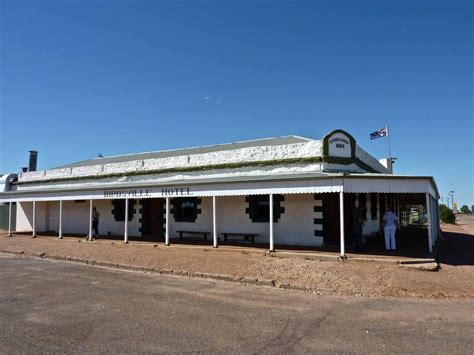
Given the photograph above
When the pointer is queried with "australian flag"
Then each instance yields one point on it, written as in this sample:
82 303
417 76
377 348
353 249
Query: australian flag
380 133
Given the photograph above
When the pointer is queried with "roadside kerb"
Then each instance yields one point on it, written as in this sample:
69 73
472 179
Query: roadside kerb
161 245
326 257
305 255
134 268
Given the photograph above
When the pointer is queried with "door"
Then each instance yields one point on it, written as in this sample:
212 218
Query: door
152 218
349 209
331 218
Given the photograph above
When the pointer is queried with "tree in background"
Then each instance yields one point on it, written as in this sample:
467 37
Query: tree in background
465 209
446 214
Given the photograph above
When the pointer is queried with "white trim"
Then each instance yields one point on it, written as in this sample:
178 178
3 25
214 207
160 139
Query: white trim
214 221
270 222
167 222
204 190
430 227
34 220
396 185
60 234
10 219
90 220
341 222
234 188
125 233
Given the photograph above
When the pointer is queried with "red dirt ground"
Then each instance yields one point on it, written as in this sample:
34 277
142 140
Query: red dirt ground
454 280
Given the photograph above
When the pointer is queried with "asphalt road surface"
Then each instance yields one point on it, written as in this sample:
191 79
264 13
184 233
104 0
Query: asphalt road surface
62 307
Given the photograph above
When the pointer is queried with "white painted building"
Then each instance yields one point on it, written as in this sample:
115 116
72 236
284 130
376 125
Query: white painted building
314 186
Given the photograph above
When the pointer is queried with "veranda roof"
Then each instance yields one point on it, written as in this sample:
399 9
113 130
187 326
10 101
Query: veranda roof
237 186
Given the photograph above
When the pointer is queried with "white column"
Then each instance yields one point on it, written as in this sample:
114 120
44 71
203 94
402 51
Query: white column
90 221
167 224
125 233
341 221
60 219
214 221
34 219
10 219
272 247
430 229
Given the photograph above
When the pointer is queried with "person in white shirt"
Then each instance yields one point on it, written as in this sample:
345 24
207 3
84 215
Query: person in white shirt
389 225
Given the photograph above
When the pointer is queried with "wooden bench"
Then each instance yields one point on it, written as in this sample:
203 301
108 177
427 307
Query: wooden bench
204 234
243 236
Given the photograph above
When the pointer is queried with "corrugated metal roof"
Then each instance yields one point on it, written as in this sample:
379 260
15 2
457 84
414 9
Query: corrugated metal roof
189 151
229 180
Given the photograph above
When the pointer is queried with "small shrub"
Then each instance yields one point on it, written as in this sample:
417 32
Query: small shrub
446 214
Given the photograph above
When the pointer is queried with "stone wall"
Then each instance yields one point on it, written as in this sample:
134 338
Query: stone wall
243 155
295 226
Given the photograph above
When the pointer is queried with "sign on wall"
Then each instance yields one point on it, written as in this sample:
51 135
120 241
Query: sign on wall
144 193
339 144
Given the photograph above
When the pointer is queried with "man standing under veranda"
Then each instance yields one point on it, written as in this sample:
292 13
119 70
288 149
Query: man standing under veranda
95 223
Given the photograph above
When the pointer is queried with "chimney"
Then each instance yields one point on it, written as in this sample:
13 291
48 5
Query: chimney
388 164
33 160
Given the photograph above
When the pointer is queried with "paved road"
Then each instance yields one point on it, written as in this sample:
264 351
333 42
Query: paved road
62 307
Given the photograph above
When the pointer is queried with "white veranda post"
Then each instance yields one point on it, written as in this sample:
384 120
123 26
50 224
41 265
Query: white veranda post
214 221
60 219
34 219
270 220
430 229
10 219
167 222
90 220
341 222
125 233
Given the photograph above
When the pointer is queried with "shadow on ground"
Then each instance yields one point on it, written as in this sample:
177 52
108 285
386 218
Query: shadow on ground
456 249
412 242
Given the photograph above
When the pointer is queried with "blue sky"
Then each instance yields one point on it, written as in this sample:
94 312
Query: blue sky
80 78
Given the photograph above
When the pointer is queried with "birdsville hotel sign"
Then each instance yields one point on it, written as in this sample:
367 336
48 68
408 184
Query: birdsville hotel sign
148 193
283 191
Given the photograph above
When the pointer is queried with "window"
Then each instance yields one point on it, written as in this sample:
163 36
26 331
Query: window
186 209
118 210
259 208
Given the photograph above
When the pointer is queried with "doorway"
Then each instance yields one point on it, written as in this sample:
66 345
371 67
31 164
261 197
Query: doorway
331 219
153 219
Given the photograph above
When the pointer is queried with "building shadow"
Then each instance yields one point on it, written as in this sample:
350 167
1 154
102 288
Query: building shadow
456 249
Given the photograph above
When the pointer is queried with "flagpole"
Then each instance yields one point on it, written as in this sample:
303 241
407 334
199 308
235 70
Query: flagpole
389 148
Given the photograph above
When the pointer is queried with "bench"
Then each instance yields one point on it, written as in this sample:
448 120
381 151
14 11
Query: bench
204 234
243 236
